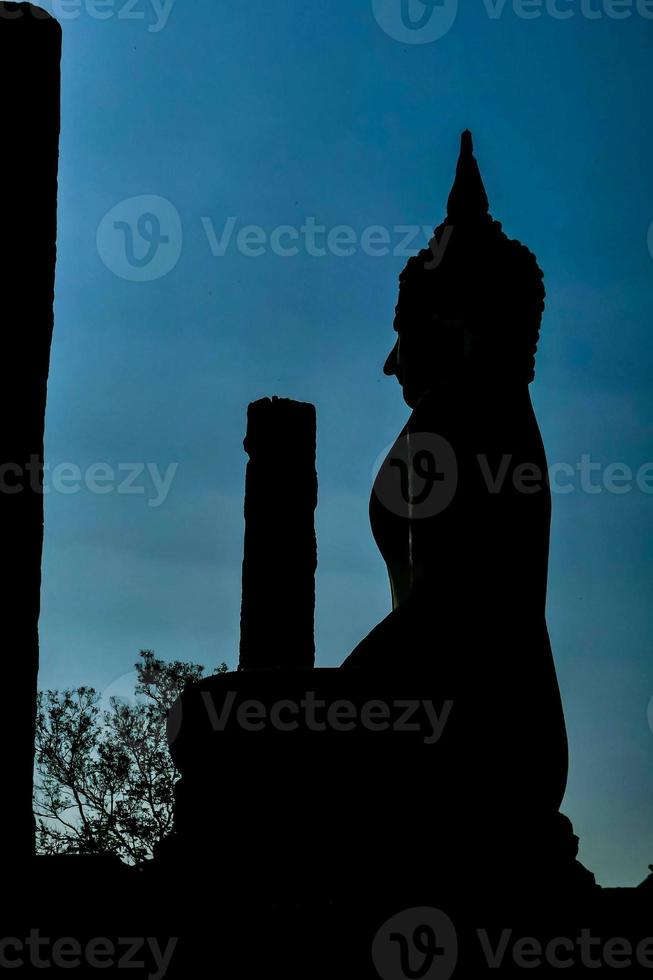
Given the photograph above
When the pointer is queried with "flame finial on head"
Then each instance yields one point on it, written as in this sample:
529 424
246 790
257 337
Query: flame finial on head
468 200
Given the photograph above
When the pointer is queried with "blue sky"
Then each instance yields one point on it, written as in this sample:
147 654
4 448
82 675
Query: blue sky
287 113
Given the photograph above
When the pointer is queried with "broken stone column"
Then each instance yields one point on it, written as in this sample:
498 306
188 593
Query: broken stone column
278 603
30 52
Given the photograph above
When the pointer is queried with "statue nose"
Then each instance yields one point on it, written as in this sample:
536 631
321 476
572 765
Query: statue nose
390 366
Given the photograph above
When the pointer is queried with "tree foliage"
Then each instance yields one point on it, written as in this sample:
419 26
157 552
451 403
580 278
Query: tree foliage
104 776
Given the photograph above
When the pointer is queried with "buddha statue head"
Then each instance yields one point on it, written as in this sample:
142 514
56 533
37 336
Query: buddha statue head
470 306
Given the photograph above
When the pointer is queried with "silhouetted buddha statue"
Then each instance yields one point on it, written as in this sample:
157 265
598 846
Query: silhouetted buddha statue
460 509
398 801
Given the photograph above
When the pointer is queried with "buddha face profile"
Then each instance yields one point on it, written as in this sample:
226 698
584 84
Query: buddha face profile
430 355
398 365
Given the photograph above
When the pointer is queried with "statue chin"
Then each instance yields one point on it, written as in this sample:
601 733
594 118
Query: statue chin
411 397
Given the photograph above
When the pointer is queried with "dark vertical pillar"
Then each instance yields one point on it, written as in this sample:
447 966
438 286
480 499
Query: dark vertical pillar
30 53
278 606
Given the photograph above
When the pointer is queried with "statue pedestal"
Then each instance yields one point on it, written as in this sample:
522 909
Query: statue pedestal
321 783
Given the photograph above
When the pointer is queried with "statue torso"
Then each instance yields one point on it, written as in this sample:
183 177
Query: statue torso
462 504
468 568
